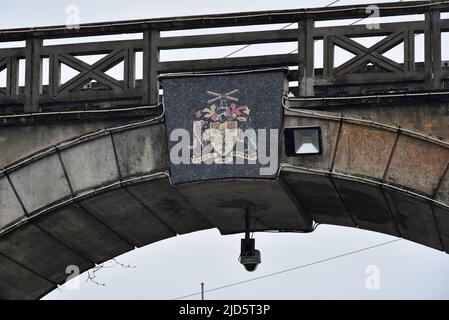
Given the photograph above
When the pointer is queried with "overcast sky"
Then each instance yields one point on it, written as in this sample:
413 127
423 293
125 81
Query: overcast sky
176 267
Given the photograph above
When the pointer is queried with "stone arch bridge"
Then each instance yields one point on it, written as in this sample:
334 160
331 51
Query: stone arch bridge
86 175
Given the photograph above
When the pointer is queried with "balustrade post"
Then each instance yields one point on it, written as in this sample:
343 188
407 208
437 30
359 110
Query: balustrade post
150 66
305 57
12 77
432 44
33 74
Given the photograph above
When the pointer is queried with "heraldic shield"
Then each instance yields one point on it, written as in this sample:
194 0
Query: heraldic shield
220 125
223 137
224 123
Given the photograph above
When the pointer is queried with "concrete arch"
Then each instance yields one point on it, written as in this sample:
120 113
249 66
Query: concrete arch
373 176
89 199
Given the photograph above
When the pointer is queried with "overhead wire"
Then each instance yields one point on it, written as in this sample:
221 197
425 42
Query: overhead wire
352 23
290 269
214 17
314 226
283 28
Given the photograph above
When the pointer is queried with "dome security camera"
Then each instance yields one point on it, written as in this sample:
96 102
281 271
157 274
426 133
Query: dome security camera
249 256
251 262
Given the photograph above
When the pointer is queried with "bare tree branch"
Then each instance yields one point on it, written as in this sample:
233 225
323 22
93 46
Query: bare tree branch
92 274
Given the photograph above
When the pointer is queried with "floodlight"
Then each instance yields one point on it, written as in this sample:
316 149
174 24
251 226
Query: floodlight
301 141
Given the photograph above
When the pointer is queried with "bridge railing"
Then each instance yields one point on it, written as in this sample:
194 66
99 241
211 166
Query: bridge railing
369 70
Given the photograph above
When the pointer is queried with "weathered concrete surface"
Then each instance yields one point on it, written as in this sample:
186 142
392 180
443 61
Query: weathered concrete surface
317 194
223 203
17 142
120 212
415 219
21 283
381 204
430 118
367 205
10 208
173 207
442 218
417 165
90 164
41 183
442 193
363 150
81 231
139 151
40 252
105 194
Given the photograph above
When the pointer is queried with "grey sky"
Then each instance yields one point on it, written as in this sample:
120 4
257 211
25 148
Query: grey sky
176 267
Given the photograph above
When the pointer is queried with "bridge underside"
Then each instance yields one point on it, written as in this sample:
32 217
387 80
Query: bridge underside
75 193
89 199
